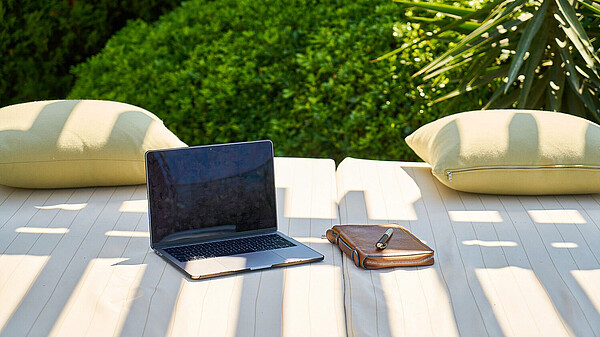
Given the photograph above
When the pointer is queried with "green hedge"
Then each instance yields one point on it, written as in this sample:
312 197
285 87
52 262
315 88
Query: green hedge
294 71
40 40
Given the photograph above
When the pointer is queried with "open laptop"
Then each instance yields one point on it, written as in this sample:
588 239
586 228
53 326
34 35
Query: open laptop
212 210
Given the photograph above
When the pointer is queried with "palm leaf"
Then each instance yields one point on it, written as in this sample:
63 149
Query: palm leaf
477 84
491 37
581 92
479 71
483 12
590 101
590 76
576 33
453 25
594 7
553 48
463 28
396 51
441 8
485 51
557 84
506 102
530 31
536 95
447 68
537 53
571 72
574 105
450 54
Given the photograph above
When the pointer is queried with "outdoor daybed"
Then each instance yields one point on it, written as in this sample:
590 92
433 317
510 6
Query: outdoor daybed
77 262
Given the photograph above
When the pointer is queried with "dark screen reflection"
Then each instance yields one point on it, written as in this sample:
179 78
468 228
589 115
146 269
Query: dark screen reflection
206 192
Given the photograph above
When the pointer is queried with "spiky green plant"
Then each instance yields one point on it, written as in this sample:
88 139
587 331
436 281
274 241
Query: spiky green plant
539 54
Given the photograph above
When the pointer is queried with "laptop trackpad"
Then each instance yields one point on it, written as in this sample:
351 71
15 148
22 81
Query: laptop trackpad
252 261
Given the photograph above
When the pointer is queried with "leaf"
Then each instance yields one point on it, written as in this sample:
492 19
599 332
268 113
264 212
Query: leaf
450 54
594 7
590 102
481 82
450 67
579 90
537 92
572 35
395 51
441 8
530 31
494 97
576 33
570 72
480 70
514 6
535 57
506 102
588 75
485 51
483 12
487 25
463 28
492 36
556 84
574 104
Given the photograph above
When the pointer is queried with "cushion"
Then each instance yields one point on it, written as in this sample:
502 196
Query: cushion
56 144
512 152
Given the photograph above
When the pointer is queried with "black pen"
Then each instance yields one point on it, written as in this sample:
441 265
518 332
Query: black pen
382 243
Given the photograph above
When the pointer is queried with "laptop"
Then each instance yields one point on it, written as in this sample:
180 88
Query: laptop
212 210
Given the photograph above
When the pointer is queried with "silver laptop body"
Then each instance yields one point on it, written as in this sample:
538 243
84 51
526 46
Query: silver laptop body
211 195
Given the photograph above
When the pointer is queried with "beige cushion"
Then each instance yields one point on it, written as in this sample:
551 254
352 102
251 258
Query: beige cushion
55 144
512 152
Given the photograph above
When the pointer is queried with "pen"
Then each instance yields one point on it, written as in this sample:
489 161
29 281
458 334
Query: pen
382 243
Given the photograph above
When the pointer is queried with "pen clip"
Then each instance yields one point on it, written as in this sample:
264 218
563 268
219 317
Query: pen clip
382 243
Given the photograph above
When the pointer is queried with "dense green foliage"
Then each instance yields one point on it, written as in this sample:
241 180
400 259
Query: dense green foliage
40 40
296 72
545 52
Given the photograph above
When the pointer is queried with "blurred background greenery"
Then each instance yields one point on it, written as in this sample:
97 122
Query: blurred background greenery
298 72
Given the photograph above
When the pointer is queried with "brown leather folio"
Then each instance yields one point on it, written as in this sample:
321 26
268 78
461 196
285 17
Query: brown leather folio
359 243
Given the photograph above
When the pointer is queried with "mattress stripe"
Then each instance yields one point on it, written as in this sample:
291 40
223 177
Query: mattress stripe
21 243
543 264
561 260
114 288
444 313
51 311
513 257
5 193
92 270
580 257
515 316
130 299
13 203
591 214
420 319
151 300
23 214
443 193
588 231
41 248
84 313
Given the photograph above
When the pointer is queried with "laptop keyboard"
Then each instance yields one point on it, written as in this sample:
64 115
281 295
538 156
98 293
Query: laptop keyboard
229 247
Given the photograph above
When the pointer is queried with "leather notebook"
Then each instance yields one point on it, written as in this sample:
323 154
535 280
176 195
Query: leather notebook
359 243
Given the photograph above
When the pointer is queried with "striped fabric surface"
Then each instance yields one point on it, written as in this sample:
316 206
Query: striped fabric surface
505 265
77 262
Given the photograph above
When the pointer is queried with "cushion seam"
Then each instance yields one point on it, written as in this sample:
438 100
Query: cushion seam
522 167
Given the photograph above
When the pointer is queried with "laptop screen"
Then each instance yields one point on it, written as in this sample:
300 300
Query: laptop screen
206 192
